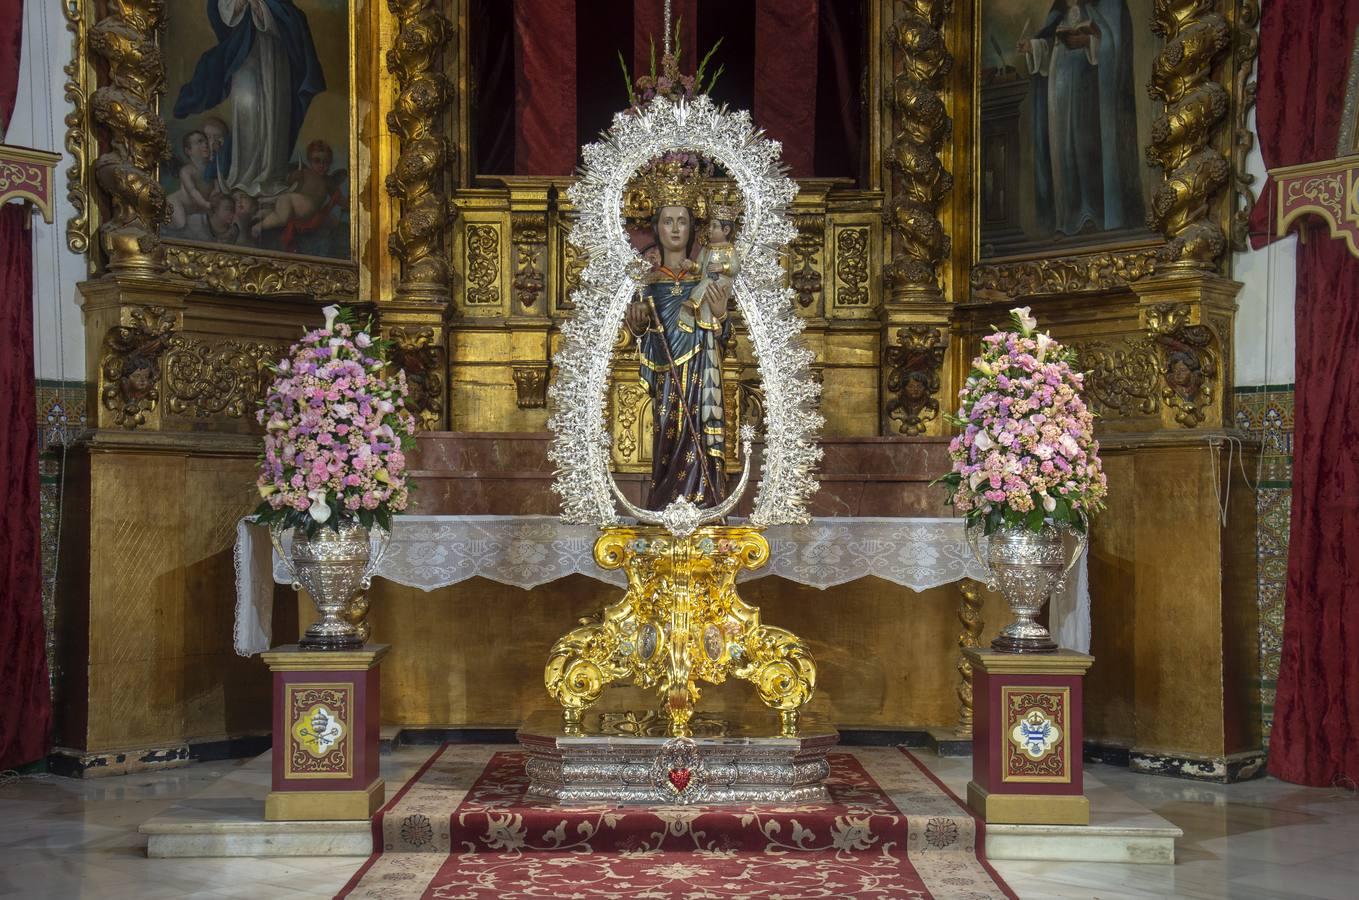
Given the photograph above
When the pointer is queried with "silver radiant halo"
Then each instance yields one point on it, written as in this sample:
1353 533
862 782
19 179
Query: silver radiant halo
580 430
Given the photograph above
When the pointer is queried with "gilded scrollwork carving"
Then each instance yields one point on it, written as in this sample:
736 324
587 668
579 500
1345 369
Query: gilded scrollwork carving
1196 35
629 401
914 363
483 265
416 351
805 259
236 273
1123 377
419 181
851 267
130 367
1190 361
530 386
1062 275
78 130
528 234
573 263
125 40
680 622
205 378
1243 137
920 127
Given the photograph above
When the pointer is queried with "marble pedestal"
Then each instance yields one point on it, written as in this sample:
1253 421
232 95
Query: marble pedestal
327 712
1027 737
627 758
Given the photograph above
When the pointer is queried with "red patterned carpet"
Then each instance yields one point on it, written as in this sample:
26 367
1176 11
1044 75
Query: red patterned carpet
462 829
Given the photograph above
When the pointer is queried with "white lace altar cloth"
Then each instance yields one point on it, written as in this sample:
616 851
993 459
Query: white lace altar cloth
431 552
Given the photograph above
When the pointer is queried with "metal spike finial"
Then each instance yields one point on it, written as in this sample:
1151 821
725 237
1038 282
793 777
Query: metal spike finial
667 27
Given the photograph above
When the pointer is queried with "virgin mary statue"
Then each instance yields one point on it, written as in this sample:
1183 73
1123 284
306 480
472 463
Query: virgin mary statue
266 64
680 320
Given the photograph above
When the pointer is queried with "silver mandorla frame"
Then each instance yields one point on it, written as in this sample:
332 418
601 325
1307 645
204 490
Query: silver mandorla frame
579 391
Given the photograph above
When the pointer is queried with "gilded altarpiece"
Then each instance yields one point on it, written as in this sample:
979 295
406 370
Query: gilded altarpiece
470 276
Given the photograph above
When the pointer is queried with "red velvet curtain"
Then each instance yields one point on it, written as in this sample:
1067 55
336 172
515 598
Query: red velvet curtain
25 703
545 87
785 78
1304 53
11 40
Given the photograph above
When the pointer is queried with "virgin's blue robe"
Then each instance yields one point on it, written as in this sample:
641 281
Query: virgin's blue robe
685 462
211 81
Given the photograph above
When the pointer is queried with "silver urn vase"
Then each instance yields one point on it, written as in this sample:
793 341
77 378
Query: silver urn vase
336 568
1026 567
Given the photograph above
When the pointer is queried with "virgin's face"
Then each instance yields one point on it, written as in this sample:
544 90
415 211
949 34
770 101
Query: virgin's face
672 228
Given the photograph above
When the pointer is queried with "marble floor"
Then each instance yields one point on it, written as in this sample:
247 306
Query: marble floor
64 838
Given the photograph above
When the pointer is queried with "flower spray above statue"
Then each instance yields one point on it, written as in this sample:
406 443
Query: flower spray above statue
1025 466
334 468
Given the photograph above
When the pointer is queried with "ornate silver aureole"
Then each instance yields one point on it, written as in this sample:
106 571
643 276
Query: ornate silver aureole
580 443
619 759
336 568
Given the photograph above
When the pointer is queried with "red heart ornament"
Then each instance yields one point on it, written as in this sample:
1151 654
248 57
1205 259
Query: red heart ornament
679 779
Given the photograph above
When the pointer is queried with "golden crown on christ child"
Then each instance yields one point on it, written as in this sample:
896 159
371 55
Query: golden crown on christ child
725 203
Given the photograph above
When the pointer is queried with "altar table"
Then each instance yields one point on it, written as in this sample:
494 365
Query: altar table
431 552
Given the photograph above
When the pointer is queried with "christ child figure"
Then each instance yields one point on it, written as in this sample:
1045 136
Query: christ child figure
194 187
718 263
311 188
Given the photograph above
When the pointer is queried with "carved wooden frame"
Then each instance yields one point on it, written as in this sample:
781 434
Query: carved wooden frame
1202 81
116 135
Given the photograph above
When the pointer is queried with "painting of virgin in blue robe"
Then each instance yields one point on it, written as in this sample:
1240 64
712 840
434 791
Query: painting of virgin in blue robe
266 64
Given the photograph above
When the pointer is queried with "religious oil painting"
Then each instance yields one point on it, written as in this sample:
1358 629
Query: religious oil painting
1063 118
259 117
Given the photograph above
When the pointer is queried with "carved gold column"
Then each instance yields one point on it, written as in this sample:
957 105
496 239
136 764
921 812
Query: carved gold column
1196 37
530 261
914 336
970 615
416 318
124 41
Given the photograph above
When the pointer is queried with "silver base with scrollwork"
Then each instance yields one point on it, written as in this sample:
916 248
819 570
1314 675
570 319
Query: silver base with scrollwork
629 758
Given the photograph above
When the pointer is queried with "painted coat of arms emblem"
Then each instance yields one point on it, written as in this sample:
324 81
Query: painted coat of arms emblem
1036 734
319 730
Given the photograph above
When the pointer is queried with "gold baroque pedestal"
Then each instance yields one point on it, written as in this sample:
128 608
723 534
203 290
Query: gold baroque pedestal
680 621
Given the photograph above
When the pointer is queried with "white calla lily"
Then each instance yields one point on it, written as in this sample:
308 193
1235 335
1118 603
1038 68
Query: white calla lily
330 312
1044 342
1027 323
983 441
319 509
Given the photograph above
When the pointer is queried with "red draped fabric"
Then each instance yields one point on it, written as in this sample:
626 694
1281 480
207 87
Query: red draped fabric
11 39
648 21
545 87
1304 52
25 704
785 78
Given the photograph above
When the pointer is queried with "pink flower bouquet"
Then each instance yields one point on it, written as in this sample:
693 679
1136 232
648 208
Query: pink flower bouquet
1027 454
336 427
